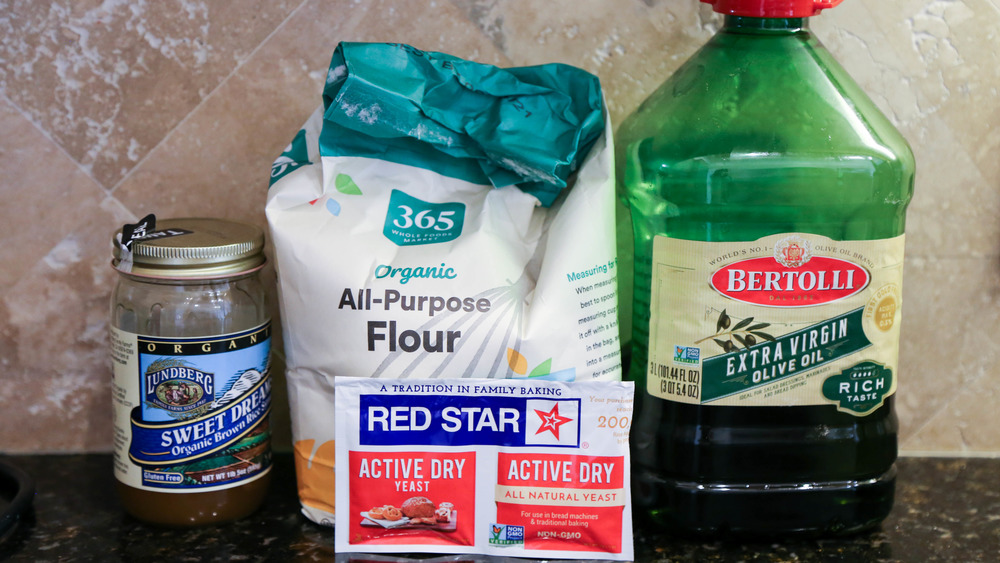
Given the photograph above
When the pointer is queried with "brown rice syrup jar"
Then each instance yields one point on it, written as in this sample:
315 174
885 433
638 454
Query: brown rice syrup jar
190 348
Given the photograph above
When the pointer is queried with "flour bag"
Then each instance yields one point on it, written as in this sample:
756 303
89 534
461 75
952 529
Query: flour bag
441 218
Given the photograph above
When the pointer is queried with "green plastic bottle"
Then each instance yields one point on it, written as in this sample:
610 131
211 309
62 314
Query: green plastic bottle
768 198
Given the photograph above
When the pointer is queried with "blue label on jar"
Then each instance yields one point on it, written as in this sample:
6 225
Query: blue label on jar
203 421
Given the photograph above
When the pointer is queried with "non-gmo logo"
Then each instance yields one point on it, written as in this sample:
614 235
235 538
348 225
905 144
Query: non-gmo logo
506 534
687 355
411 221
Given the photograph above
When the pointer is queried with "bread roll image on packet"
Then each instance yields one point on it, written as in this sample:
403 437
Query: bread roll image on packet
524 468
440 218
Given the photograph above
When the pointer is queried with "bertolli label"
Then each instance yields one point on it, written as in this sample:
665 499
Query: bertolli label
791 319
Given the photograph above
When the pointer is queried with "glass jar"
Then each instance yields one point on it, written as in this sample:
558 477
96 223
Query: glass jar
190 347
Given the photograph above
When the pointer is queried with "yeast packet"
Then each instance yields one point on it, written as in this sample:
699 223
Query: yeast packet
520 468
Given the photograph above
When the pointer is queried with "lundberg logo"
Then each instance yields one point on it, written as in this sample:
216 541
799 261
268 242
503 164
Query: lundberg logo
506 534
469 420
178 389
792 277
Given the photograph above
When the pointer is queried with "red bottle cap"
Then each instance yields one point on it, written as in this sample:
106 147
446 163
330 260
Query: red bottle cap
771 8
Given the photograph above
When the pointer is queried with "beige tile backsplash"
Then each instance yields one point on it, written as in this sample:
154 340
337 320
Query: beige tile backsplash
111 110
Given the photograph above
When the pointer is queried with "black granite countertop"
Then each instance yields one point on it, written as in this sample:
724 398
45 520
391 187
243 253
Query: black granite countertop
946 510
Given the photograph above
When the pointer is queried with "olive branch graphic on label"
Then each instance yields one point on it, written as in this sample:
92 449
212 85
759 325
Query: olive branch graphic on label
745 333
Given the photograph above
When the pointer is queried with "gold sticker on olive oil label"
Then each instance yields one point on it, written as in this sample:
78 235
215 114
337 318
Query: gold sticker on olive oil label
790 319
882 307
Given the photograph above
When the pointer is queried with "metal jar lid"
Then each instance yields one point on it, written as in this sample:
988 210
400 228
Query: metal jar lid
195 248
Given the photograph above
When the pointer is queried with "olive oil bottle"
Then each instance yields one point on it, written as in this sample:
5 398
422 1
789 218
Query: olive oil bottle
768 198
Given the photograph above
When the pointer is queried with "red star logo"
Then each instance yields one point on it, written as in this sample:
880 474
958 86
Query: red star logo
551 420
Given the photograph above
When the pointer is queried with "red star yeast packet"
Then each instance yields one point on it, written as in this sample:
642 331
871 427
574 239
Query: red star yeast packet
515 467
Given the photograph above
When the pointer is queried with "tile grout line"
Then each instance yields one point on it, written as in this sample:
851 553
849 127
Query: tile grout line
208 96
995 5
481 31
929 419
79 168
59 147
236 69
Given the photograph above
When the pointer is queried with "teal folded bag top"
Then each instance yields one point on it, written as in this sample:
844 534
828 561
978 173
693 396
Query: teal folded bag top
527 126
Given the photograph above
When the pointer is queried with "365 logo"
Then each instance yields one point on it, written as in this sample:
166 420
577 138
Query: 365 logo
411 221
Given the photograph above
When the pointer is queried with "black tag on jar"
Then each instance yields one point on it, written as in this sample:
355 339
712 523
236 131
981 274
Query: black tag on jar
165 233
131 232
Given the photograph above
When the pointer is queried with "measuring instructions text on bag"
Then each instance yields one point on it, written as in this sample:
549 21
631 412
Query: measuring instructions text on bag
791 319
520 468
191 413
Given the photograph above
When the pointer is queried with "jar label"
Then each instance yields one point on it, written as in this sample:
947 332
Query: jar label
191 414
790 319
